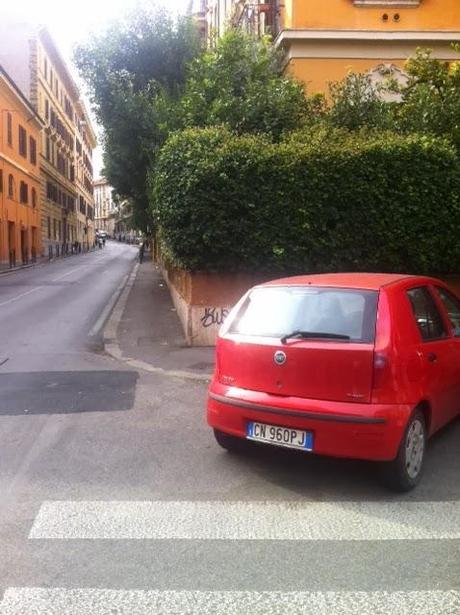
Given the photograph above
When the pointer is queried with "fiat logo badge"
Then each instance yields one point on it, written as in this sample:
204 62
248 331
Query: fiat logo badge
279 357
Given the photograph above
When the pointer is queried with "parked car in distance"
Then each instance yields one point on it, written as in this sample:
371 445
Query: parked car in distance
356 365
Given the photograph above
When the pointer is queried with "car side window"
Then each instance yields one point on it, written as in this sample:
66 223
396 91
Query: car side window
427 316
452 305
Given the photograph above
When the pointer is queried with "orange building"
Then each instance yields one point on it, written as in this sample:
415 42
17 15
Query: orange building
20 187
30 55
325 39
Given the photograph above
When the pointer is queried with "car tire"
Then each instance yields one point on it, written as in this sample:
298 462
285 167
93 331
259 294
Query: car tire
405 471
228 442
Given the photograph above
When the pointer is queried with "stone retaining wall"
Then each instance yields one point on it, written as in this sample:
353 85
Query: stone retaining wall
203 300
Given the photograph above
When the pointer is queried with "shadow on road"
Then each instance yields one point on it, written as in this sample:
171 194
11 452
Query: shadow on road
317 477
66 392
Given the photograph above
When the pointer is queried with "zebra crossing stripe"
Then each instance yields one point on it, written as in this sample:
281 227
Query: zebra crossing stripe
40 601
347 521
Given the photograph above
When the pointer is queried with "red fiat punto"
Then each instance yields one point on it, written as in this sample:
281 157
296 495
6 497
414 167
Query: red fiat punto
349 365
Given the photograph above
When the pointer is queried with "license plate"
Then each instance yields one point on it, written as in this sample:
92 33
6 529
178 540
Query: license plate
281 436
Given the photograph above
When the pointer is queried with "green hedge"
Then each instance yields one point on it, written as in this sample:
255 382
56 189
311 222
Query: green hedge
319 201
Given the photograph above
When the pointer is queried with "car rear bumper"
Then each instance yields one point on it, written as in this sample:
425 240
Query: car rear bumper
354 430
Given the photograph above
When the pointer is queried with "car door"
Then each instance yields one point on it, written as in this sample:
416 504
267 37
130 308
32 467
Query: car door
451 305
437 355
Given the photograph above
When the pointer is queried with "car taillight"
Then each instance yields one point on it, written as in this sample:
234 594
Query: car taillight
381 369
217 360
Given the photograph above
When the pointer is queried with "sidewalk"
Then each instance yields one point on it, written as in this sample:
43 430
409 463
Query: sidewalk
144 329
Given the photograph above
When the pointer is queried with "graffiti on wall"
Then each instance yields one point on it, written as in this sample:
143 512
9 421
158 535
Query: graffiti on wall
213 316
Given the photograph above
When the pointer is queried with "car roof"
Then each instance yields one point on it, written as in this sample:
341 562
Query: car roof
365 281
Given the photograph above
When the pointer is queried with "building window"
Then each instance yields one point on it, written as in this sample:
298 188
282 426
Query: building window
54 229
23 192
47 109
34 198
60 164
68 108
10 187
46 68
9 121
51 83
48 148
22 141
33 150
51 192
49 227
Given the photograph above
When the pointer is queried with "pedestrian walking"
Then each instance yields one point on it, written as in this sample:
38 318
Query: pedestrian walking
141 252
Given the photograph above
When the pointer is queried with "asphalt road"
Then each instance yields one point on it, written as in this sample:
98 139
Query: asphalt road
114 498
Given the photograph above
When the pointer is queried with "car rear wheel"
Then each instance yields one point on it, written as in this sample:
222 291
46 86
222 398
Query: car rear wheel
405 472
230 443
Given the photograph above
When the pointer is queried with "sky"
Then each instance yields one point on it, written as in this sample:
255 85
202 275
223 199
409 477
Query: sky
69 27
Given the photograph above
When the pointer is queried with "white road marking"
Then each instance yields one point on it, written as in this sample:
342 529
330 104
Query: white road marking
37 601
345 521
33 290
28 292
60 277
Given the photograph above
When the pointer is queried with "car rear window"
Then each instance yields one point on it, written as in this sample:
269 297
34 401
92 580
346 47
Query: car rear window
279 310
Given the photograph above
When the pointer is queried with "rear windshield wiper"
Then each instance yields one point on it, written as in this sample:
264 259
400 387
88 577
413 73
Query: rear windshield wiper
313 335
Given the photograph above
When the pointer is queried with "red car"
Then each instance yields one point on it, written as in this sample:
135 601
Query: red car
356 365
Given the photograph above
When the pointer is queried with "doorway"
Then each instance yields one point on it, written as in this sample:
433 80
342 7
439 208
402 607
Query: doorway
12 244
34 244
24 248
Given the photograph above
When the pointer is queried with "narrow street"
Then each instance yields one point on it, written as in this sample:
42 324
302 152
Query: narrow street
115 498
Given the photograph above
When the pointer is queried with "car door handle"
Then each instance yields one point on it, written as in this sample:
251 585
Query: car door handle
432 357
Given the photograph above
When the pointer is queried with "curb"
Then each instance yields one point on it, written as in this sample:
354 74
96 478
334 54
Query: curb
42 263
22 268
115 308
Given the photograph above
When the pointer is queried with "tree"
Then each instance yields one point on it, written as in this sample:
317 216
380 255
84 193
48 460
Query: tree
132 71
356 103
239 84
429 103
431 99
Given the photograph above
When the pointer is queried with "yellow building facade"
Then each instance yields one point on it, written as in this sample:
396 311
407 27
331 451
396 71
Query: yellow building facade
32 58
85 142
20 185
105 208
55 97
325 39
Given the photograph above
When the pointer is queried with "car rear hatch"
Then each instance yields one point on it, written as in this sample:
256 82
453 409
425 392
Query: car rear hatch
329 358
